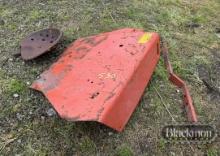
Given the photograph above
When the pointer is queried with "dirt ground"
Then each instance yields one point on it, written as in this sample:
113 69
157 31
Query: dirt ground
28 125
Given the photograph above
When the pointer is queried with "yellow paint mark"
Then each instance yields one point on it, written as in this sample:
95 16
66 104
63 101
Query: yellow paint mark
145 38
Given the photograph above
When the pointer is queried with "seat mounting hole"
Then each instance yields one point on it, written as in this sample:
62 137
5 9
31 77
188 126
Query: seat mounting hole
94 95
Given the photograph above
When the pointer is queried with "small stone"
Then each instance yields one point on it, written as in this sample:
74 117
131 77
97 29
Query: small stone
19 141
10 59
19 116
42 117
218 35
15 95
177 90
51 112
28 83
110 133
172 153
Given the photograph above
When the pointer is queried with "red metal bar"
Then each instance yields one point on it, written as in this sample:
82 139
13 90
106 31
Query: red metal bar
181 84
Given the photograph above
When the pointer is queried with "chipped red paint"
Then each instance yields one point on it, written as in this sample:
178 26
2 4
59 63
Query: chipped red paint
101 78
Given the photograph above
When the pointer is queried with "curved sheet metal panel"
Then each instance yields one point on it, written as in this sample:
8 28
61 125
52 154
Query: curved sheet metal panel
101 78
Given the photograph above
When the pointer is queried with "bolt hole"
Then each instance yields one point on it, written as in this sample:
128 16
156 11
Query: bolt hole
91 82
47 35
41 35
32 39
43 39
121 45
51 41
94 95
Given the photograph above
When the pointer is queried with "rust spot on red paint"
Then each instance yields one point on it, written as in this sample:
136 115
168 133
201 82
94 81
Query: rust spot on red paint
51 80
94 95
111 95
87 44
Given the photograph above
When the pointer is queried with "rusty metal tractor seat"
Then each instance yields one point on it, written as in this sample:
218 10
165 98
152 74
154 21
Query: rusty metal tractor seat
39 42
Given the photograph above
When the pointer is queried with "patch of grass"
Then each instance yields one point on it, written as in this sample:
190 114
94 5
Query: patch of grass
201 60
174 17
70 31
133 24
157 106
178 68
212 152
198 19
12 26
160 72
16 107
197 104
162 144
107 23
15 86
63 16
87 146
36 14
133 13
124 150
5 12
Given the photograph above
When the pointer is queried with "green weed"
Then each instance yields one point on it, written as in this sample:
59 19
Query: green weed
124 150
15 86
87 146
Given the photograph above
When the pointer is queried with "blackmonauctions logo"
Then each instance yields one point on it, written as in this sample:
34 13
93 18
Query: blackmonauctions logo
189 133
